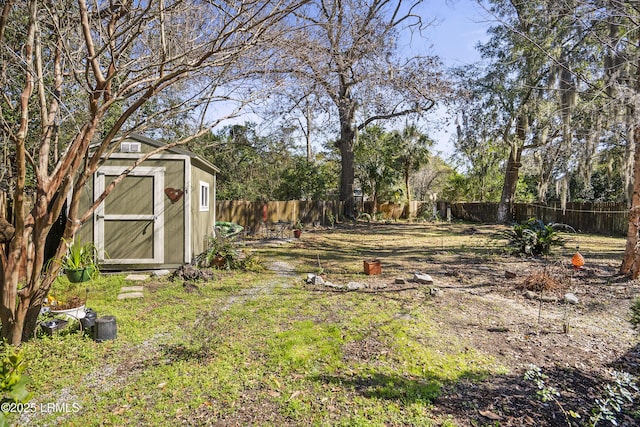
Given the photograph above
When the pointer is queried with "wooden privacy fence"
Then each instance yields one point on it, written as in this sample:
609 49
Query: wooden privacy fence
602 218
609 218
252 214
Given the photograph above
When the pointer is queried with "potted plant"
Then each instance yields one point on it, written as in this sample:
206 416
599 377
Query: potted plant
68 301
79 263
297 229
221 253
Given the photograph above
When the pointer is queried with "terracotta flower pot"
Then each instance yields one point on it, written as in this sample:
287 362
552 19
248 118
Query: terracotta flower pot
372 267
219 261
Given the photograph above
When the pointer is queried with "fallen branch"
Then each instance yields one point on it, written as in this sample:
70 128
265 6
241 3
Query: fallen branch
366 291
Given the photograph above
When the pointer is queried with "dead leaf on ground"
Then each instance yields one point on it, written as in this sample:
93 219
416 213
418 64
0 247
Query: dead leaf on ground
294 394
490 415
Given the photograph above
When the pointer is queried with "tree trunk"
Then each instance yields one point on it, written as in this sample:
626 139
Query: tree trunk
408 190
631 260
505 207
347 178
347 174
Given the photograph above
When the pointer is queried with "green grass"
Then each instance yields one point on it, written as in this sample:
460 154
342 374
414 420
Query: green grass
261 349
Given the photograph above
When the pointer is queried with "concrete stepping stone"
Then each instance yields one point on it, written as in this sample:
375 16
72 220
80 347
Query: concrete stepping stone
137 277
131 295
132 289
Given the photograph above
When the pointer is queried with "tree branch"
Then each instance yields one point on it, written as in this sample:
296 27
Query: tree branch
392 115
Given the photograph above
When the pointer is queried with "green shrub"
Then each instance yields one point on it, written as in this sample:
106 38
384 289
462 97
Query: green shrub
533 237
13 381
224 253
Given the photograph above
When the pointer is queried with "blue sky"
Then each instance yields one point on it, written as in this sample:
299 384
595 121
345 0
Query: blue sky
459 26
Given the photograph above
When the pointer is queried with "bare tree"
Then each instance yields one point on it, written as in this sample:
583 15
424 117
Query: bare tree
75 76
346 52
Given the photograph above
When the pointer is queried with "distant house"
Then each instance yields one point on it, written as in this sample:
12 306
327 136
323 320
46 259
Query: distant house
160 215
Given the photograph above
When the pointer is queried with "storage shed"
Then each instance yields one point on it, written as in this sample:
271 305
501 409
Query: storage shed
160 215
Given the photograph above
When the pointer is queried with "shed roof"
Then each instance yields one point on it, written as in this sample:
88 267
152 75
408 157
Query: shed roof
195 159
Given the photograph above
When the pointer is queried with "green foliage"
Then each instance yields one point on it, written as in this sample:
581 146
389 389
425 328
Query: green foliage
225 253
431 179
635 313
332 219
13 381
473 186
264 167
79 255
412 153
533 237
385 161
306 345
307 180
526 189
545 393
376 157
426 212
615 395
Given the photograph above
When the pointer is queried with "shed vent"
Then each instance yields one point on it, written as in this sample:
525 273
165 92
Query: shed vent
130 147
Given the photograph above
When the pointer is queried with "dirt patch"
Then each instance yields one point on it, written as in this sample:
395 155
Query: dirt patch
577 346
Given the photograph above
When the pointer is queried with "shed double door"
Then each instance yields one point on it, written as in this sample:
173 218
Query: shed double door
129 223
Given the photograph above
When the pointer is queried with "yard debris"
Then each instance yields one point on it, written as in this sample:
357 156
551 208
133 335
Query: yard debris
491 415
317 280
354 286
536 296
189 272
570 298
161 273
400 281
436 292
541 281
422 278
376 286
313 279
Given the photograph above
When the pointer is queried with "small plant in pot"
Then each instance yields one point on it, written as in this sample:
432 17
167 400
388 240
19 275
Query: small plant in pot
79 263
297 229
67 302
67 299
221 253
